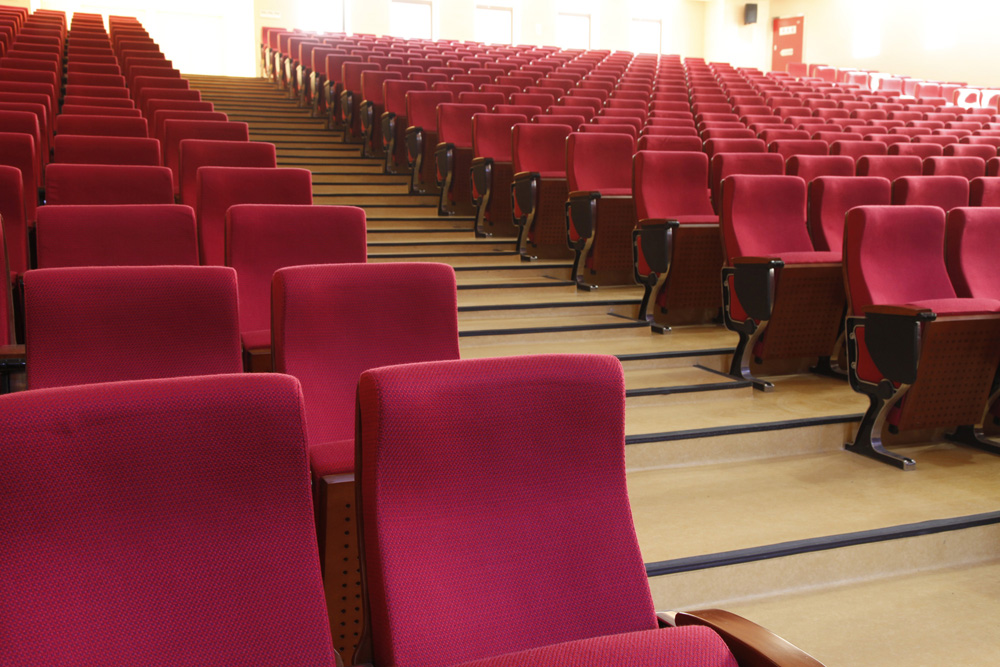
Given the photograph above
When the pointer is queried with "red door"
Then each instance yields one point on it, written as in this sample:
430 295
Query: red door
787 42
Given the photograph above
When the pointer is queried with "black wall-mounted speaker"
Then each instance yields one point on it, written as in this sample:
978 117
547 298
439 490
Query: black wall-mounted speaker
750 13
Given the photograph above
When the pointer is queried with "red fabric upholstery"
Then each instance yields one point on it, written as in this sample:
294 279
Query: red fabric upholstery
727 164
947 192
15 228
196 153
809 167
968 167
454 123
789 147
143 97
856 149
831 197
79 149
6 302
175 131
18 150
158 118
102 126
122 235
421 107
972 243
764 216
161 554
262 238
331 322
895 255
984 191
549 485
671 185
107 184
181 105
599 162
219 188
492 135
958 306
920 150
100 324
678 647
395 94
26 122
890 166
540 148
372 84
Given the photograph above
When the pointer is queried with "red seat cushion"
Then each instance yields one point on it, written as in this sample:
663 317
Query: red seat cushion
254 340
958 306
691 646
331 458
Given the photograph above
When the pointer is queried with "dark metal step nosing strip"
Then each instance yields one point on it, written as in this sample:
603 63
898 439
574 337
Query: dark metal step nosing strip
553 329
714 431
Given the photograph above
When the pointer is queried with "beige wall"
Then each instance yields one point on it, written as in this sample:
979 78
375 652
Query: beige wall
927 39
727 39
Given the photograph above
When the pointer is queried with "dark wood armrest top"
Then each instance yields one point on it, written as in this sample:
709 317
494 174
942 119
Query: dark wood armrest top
904 311
11 352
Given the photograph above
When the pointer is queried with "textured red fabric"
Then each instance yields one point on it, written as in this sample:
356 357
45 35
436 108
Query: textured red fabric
831 197
181 105
88 184
146 94
764 216
454 123
160 522
895 255
889 166
262 238
725 165
672 184
599 162
946 192
196 153
25 122
161 116
530 515
810 167
331 458
18 150
177 130
332 322
101 324
101 126
15 229
958 306
967 166
972 244
80 149
690 646
122 235
421 107
395 92
540 148
372 82
221 187
491 135
6 303
984 191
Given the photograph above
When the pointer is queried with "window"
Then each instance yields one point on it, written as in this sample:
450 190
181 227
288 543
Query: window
328 16
494 25
412 19
573 31
647 36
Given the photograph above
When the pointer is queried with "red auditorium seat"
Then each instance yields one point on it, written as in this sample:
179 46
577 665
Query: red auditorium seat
600 212
421 137
159 118
80 184
117 235
184 600
726 164
809 167
262 238
143 97
968 167
7 331
197 153
946 192
492 171
26 122
393 123
784 298
371 108
539 189
18 150
677 252
14 224
218 188
81 149
856 149
668 142
831 197
903 312
350 98
176 131
89 110
453 157
328 327
574 407
889 166
984 191
103 324
101 126
734 145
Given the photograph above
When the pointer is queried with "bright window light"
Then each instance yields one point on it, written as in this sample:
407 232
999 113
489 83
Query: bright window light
646 36
573 31
494 25
411 19
328 16
867 38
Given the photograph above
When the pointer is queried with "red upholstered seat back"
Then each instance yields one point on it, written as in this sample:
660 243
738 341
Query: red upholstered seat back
102 126
262 238
947 192
395 91
19 150
972 244
855 149
107 184
889 166
454 123
165 551
895 255
159 117
193 154
540 148
669 184
143 97
764 215
6 296
79 149
492 135
372 84
15 228
599 162
421 107
734 145
102 324
219 188
351 74
967 166
334 66
120 235
332 322
549 486
831 197
724 165
176 131
808 167
789 147
984 191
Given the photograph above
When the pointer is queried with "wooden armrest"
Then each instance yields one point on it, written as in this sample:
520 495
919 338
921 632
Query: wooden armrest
902 311
584 194
751 644
755 260
656 221
11 352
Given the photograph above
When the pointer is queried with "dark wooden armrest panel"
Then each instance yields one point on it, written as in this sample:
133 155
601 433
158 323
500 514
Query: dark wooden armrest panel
900 311
752 645
11 352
